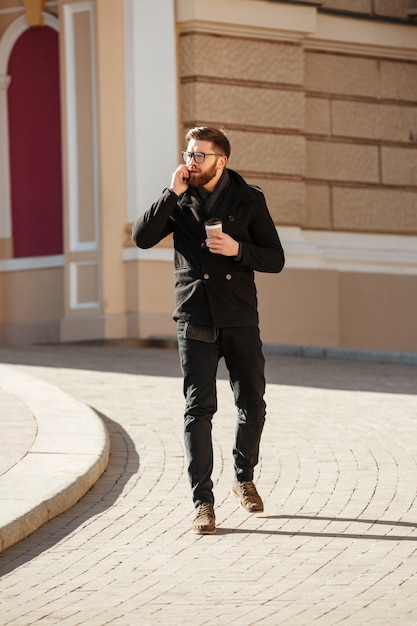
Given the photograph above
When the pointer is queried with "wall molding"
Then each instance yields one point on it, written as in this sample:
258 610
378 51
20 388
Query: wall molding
350 252
364 37
250 18
303 23
31 263
327 250
75 243
75 270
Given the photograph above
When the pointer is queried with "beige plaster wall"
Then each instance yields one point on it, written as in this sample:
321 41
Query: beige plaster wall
112 162
6 248
378 311
9 17
101 170
325 133
150 297
24 316
98 269
297 307
31 300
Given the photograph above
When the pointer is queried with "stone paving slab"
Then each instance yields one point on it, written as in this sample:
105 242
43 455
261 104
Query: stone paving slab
54 448
17 430
337 543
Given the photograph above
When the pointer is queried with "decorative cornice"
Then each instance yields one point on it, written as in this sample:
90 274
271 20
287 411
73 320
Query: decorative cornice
249 19
300 23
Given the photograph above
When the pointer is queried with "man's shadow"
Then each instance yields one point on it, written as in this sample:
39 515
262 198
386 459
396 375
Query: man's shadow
330 535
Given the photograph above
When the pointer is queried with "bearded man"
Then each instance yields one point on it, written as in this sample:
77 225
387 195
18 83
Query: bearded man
216 309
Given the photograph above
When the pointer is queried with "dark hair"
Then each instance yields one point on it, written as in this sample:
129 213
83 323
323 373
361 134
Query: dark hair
215 135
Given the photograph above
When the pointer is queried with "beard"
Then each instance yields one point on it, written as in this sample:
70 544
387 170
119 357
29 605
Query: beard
201 179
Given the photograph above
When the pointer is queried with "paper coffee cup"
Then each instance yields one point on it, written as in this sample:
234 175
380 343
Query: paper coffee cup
213 225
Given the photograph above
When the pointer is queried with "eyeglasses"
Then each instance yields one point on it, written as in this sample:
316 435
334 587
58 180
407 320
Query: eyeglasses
198 156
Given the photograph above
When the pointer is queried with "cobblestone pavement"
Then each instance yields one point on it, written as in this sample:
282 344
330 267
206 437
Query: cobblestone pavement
337 543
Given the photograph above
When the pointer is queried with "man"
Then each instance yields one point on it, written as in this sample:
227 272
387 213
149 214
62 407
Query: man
216 306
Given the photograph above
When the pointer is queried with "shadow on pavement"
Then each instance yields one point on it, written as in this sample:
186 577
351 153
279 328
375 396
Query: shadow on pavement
322 535
353 520
124 462
331 535
132 358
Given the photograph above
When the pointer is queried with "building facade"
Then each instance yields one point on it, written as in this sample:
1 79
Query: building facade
319 100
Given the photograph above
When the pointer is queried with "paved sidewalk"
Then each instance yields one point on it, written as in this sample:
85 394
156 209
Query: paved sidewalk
337 542
54 448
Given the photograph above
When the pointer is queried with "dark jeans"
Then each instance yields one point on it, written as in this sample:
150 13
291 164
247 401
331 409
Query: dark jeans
242 352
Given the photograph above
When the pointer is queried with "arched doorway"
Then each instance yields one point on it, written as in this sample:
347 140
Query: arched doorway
35 144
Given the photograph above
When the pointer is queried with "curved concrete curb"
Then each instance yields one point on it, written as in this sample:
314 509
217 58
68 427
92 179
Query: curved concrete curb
70 452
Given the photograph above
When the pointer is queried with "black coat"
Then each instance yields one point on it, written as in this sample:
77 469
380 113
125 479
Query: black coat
212 289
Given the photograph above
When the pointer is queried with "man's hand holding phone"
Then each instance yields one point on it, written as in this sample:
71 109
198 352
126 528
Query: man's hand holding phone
179 181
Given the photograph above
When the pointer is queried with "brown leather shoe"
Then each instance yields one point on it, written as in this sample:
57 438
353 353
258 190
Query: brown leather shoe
249 499
205 520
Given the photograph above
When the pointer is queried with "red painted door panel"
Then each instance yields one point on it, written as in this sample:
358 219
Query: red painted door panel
35 144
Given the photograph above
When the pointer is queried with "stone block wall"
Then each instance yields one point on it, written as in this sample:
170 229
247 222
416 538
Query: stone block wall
386 9
394 10
254 88
361 116
330 136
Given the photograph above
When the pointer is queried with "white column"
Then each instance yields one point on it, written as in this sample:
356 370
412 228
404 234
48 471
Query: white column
151 95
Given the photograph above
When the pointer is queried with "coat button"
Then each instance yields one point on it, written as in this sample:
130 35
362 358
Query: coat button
231 218
228 276
206 276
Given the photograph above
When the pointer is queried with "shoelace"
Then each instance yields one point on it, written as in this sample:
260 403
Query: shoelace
204 509
248 488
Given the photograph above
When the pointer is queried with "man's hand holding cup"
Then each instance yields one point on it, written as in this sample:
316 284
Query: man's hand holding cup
219 242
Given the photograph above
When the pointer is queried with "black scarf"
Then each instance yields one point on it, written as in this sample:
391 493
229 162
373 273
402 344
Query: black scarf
207 200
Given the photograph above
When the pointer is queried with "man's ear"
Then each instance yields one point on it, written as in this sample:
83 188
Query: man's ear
223 160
